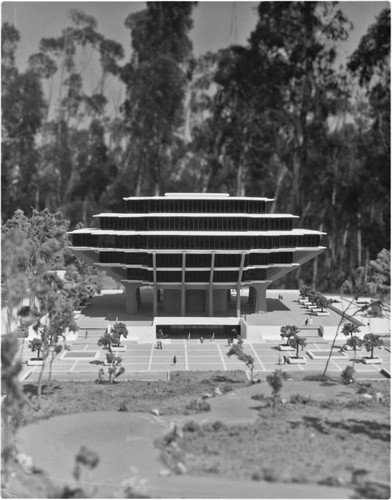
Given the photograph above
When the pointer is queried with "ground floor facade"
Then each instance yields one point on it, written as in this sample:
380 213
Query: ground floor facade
184 300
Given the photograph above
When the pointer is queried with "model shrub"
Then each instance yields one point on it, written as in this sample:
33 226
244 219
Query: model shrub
347 375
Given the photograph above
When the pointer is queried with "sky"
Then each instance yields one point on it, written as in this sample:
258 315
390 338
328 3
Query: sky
216 24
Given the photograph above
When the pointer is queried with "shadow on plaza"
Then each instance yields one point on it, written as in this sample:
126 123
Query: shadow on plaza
111 307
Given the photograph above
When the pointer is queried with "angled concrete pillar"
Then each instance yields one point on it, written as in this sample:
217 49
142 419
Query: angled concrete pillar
131 298
260 296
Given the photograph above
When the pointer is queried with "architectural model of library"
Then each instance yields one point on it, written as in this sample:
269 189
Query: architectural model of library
196 251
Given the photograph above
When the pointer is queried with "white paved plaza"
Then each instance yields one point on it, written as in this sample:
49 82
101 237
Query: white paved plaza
146 361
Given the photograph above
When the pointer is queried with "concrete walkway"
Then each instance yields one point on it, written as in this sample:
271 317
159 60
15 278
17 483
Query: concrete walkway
125 444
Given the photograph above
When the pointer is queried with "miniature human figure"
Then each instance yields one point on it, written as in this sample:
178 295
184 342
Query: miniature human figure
85 334
189 336
213 336
306 321
201 340
174 360
310 321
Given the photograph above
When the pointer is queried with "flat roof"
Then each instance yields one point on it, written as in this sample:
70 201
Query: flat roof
197 196
293 232
195 214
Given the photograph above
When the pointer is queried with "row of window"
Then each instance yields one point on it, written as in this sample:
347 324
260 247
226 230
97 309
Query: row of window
179 242
195 206
195 276
195 223
195 260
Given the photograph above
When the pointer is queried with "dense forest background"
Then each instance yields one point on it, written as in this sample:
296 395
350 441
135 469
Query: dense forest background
277 117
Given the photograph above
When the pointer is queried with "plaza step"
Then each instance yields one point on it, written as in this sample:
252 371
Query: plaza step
312 335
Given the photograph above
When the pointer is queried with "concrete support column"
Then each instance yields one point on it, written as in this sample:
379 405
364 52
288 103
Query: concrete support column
131 297
238 302
155 290
251 297
241 270
155 301
183 301
210 307
260 300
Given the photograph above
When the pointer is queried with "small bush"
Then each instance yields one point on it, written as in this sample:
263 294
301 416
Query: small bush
191 426
215 426
300 399
123 407
347 375
258 397
225 388
198 405
270 475
372 490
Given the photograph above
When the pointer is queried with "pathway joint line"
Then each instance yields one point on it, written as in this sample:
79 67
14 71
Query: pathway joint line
150 359
73 366
186 356
222 358
26 375
257 357
337 366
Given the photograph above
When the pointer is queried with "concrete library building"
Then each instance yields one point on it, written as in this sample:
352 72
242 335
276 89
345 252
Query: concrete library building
197 253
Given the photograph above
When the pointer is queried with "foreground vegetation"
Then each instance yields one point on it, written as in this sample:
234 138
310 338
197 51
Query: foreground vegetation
304 441
293 440
180 395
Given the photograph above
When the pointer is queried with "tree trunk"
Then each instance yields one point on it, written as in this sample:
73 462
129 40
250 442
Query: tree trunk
282 174
39 383
294 195
359 240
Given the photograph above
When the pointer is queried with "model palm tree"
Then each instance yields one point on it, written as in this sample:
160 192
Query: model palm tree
296 342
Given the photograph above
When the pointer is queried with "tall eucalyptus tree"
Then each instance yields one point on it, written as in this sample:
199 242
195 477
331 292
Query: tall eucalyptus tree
155 79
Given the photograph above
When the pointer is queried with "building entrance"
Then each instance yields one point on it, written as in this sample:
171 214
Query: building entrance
197 331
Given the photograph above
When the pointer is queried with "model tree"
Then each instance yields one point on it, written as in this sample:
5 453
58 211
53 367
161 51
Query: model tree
275 380
12 404
237 350
371 341
296 342
350 329
355 343
53 304
118 330
287 332
36 345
